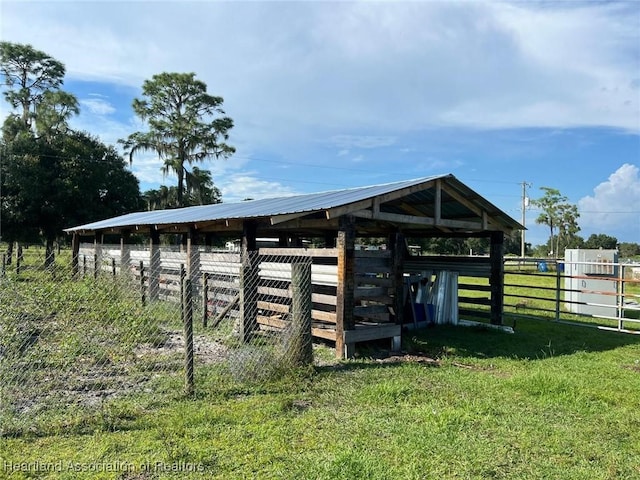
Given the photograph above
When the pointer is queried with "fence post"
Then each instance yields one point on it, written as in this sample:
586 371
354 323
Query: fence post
154 265
84 265
187 317
301 347
558 278
75 251
18 259
205 299
182 274
4 265
248 282
620 296
96 267
142 292
113 266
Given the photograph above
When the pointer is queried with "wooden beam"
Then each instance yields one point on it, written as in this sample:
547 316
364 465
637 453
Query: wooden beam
248 282
154 264
394 217
348 209
276 219
309 224
496 279
398 245
413 220
471 206
379 199
125 251
75 253
346 285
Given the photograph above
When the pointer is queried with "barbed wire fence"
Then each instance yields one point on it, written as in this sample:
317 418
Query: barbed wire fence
125 329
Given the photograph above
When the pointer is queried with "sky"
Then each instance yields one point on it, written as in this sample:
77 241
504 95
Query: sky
332 95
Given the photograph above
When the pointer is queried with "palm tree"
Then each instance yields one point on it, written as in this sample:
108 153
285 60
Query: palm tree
186 125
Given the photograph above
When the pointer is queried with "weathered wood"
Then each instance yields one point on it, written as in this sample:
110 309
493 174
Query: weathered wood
300 345
346 285
276 321
97 253
496 279
465 266
320 315
398 246
205 300
187 316
273 307
125 251
75 252
248 282
143 297
223 313
154 265
193 255
298 252
371 292
368 333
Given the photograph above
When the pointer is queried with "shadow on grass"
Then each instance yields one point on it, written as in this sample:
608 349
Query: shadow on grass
532 339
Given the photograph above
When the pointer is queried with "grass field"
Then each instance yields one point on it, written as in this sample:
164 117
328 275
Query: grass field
550 401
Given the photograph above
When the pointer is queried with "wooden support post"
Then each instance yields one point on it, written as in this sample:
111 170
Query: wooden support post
187 317
113 267
346 286
205 299
84 265
154 265
301 346
248 282
75 252
143 296
496 279
97 253
183 275
125 252
193 260
18 258
397 243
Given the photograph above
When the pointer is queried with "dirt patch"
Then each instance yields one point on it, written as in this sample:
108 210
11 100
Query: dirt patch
206 351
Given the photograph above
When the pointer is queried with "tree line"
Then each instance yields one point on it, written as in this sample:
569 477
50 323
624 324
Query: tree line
52 176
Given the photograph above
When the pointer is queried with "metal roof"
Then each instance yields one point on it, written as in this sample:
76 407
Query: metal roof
295 204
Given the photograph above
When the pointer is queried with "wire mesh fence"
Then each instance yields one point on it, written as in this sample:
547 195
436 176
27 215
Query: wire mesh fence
126 328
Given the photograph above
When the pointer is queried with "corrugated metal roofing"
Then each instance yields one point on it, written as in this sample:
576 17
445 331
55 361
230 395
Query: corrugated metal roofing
270 207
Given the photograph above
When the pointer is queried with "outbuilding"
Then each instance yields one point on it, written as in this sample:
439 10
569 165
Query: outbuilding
370 286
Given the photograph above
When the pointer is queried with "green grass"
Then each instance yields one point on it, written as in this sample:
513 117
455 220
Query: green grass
550 401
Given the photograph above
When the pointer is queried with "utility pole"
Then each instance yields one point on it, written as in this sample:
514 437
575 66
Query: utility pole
525 205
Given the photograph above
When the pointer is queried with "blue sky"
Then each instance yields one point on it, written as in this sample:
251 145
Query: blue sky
328 95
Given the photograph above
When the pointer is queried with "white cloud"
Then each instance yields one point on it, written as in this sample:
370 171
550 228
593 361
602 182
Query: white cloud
97 106
615 203
239 187
361 65
345 142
